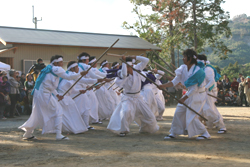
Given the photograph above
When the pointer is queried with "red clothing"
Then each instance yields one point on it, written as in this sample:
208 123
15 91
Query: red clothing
234 86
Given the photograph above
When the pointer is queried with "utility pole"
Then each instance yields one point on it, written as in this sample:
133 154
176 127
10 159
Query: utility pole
34 19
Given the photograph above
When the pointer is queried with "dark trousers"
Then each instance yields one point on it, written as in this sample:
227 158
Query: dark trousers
13 99
243 96
2 107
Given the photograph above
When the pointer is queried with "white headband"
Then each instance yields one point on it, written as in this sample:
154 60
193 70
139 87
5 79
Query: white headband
71 66
198 60
83 58
115 65
106 62
92 61
194 56
57 60
130 63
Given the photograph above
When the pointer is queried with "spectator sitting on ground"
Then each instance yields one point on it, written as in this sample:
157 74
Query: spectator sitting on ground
228 99
235 84
221 96
236 100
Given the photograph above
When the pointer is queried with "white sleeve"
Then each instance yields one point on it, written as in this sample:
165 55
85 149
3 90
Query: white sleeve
100 74
123 72
60 72
178 78
88 81
159 76
142 64
209 77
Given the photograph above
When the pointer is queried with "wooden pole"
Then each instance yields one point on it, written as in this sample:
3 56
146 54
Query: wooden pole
164 68
91 67
162 59
163 90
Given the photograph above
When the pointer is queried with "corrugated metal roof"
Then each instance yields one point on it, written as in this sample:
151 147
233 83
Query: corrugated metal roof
68 38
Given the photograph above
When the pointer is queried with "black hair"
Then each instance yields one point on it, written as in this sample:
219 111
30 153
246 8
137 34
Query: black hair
70 63
202 57
190 53
113 64
128 59
91 58
55 57
39 60
4 77
83 54
235 78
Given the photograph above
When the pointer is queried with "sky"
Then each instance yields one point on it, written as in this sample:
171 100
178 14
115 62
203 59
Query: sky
97 16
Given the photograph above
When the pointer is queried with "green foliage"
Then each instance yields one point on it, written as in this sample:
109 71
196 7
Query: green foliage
238 43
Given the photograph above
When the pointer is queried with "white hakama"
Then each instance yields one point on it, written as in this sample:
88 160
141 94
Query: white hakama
46 110
72 120
132 106
186 122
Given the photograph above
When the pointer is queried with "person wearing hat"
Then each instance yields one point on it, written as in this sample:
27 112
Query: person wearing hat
132 106
246 85
47 111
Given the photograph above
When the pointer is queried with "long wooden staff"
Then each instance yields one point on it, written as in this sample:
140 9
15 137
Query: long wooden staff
104 83
86 89
162 60
91 66
164 68
111 85
163 89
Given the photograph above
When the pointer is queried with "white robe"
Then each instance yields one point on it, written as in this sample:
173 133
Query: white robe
159 95
106 102
93 102
132 106
185 121
46 110
210 111
149 97
72 120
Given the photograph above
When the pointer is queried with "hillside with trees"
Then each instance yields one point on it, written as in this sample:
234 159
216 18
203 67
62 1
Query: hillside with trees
239 43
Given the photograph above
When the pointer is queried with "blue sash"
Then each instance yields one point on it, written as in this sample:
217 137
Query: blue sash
200 64
43 73
198 77
216 74
81 66
100 69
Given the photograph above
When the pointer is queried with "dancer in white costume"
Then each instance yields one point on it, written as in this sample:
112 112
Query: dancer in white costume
148 92
47 111
209 110
83 60
186 122
72 120
132 106
104 68
105 101
159 95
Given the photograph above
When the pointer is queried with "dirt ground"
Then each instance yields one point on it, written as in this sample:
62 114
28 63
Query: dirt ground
100 147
